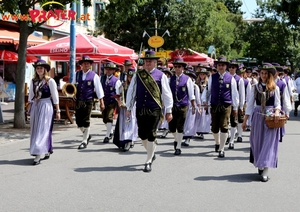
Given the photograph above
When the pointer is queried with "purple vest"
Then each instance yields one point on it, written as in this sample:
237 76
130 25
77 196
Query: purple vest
281 86
109 89
85 88
221 93
45 90
180 91
143 98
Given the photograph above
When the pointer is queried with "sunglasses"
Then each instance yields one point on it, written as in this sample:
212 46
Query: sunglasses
177 66
221 64
232 66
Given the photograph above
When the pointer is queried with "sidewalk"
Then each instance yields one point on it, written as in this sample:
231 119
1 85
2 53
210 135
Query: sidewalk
10 134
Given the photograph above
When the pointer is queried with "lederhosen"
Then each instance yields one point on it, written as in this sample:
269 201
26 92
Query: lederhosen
84 98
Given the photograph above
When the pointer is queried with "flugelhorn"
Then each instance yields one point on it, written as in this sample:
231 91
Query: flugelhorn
69 90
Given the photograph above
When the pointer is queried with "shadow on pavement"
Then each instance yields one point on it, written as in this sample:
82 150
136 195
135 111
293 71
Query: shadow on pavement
236 178
110 168
21 162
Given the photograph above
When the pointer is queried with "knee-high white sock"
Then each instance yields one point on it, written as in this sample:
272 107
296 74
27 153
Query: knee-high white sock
175 135
217 137
265 172
240 130
223 138
179 140
37 158
150 150
144 142
86 133
108 128
81 129
232 133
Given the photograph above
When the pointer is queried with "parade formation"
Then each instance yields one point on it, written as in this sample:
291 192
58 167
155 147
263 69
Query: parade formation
188 102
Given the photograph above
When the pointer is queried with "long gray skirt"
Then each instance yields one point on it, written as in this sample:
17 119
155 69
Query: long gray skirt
264 141
41 125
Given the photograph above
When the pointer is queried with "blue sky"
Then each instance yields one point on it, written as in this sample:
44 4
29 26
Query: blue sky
249 7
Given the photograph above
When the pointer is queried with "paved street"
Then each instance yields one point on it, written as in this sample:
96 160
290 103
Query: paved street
103 178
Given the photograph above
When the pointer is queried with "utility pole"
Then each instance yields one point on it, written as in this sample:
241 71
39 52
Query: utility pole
72 46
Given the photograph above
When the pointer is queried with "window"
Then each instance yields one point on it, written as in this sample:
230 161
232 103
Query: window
98 6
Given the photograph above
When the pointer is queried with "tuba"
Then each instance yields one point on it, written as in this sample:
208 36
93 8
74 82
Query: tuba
69 90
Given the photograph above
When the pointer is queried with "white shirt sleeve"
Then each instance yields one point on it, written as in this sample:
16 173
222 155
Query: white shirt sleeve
277 103
249 88
251 100
166 95
241 93
98 87
234 94
53 90
190 87
197 94
118 87
207 94
131 93
31 92
286 102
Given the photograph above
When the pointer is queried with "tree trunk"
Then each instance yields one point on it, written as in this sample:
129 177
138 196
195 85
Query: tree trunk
19 116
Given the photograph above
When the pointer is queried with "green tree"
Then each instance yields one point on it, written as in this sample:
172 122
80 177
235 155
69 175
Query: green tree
195 24
25 29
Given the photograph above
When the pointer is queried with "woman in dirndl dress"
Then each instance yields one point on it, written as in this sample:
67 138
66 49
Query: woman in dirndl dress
263 140
42 96
190 126
203 120
126 130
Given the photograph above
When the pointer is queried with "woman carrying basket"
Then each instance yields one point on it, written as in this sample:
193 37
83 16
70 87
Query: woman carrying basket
264 140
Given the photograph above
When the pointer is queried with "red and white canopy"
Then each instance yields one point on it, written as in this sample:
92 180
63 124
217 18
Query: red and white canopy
85 45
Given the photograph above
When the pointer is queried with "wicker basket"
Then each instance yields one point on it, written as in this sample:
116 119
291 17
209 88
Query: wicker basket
272 124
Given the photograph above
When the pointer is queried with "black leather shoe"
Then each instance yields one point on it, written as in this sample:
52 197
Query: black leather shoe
201 136
221 154
164 135
106 140
110 136
231 146
186 142
82 146
239 139
227 141
217 146
147 167
153 158
264 179
46 157
175 144
89 138
36 163
177 152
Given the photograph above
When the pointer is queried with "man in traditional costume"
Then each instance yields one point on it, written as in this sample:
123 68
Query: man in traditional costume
112 87
150 90
87 83
221 94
